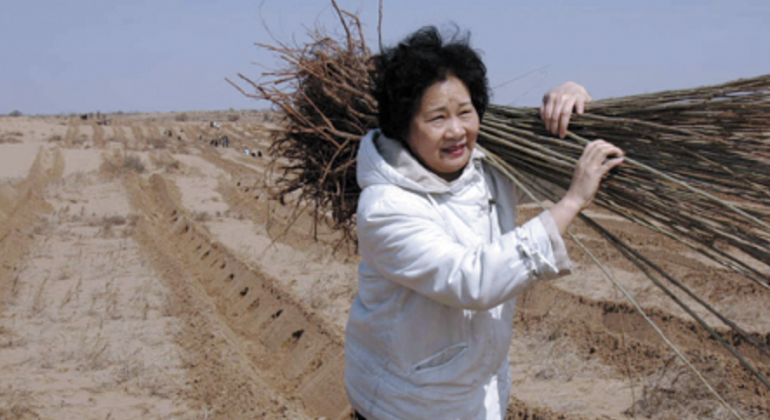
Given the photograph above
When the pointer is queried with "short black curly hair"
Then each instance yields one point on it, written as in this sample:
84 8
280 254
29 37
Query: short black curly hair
403 73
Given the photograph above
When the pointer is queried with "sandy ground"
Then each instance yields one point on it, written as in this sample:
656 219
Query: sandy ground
147 276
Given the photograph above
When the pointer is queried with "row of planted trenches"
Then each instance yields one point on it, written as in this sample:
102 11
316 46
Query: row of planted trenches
302 357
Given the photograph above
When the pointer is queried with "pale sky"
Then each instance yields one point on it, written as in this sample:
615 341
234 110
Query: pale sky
173 55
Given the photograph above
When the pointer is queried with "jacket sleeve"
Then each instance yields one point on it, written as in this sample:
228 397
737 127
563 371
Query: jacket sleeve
405 243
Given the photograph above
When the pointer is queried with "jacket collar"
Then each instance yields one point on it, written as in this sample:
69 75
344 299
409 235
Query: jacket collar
382 160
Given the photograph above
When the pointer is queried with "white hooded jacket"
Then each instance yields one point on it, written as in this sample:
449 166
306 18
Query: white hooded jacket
442 263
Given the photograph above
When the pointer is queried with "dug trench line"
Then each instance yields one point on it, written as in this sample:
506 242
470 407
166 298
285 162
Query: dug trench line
73 131
98 138
136 130
120 134
286 347
21 207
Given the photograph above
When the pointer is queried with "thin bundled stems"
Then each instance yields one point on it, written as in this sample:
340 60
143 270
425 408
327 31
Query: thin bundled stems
697 167
667 183
323 93
737 112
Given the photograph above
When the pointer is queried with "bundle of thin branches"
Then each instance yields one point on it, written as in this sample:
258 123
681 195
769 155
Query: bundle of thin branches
665 185
323 93
697 167
691 187
702 191
737 111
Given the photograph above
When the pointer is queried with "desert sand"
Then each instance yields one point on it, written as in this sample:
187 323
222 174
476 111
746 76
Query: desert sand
151 276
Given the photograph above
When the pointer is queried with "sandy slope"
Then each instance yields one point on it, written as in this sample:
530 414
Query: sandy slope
172 286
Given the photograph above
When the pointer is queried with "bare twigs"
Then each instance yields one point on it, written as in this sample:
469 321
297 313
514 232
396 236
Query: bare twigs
695 188
323 93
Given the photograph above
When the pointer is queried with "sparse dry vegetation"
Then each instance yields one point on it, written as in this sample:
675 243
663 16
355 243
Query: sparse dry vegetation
94 354
80 140
158 143
17 404
13 137
165 162
114 220
72 292
10 339
201 216
133 163
133 219
675 390
38 301
43 227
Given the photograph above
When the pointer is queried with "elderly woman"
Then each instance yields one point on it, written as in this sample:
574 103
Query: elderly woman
443 259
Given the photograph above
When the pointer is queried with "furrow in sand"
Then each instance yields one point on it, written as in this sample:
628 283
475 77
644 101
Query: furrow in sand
21 207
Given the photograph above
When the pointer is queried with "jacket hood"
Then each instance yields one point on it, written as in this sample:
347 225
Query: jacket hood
382 160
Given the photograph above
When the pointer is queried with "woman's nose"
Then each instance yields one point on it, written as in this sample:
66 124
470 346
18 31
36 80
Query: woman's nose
456 128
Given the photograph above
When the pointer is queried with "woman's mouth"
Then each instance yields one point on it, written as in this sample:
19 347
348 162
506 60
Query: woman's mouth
454 151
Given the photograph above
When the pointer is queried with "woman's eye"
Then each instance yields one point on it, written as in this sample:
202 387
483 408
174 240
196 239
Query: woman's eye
437 118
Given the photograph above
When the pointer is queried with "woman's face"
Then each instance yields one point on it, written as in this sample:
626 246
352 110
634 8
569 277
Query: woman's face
444 129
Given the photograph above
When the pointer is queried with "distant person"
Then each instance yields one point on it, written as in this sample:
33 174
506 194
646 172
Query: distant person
246 151
442 258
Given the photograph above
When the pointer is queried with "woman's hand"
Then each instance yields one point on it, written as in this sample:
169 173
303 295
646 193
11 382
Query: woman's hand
598 158
558 104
